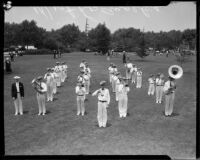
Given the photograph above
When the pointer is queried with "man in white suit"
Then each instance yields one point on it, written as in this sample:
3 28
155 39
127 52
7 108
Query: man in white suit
103 102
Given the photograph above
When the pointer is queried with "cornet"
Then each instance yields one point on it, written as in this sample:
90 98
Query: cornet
36 85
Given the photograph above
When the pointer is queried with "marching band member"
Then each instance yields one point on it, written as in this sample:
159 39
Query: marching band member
151 89
169 90
49 82
82 64
128 66
81 80
159 87
80 91
103 102
41 95
88 72
117 83
110 70
62 70
134 73
87 83
58 74
65 70
18 95
113 78
55 76
123 89
139 78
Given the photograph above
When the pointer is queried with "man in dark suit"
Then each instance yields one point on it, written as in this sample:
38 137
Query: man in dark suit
17 95
124 57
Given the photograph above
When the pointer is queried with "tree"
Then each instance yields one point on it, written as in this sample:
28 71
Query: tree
141 50
100 38
69 35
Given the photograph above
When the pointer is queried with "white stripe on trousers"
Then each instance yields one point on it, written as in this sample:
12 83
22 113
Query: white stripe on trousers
41 98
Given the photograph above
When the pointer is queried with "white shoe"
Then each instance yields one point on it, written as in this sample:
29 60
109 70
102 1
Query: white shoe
21 113
78 114
16 114
39 114
43 114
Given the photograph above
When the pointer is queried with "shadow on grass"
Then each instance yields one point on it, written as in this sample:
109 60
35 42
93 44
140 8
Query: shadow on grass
172 115
48 112
55 99
25 112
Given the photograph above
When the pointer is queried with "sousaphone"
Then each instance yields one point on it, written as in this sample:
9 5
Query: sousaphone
175 71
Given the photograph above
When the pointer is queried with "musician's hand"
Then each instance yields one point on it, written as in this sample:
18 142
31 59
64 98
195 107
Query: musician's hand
13 98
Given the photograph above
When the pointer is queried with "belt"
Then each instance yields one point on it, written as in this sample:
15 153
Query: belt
159 85
18 92
102 101
80 95
151 83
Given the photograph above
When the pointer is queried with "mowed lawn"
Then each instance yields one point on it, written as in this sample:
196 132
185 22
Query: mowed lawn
61 132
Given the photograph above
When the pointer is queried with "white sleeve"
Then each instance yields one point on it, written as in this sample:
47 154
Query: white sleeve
108 96
95 93
76 90
166 87
44 86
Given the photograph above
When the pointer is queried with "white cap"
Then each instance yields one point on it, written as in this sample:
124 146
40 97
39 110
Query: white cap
17 77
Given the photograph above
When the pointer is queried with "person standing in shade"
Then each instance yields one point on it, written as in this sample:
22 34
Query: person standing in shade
17 92
123 89
41 95
54 54
169 90
8 65
49 82
80 91
103 102
139 78
124 57
151 81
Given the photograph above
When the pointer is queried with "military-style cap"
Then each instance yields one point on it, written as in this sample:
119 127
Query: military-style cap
57 62
7 58
102 83
16 77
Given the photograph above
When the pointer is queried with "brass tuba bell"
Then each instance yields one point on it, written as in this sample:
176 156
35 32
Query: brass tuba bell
175 71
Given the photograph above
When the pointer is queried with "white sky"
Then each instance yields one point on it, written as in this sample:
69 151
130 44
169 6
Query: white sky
178 16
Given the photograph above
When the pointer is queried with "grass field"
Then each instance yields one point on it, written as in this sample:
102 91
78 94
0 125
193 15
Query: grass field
145 131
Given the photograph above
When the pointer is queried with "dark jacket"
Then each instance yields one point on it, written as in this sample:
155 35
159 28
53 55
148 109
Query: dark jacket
124 58
14 90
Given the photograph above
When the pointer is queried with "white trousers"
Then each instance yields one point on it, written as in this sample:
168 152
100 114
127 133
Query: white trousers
159 94
139 82
169 103
128 74
80 105
123 105
113 85
151 89
41 98
102 114
87 86
54 87
18 104
133 77
50 92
